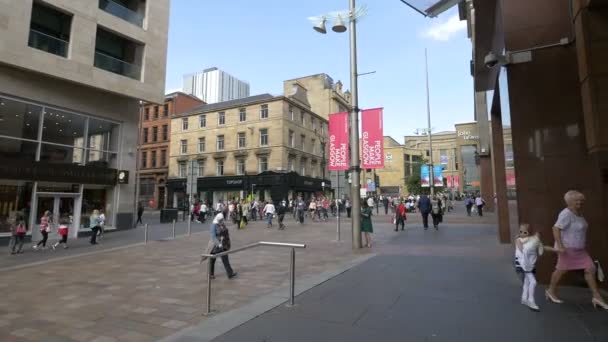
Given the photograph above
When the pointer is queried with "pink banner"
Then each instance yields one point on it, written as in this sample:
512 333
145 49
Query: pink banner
450 185
457 182
338 142
372 141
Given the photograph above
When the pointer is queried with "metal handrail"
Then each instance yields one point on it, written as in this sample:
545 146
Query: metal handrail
292 268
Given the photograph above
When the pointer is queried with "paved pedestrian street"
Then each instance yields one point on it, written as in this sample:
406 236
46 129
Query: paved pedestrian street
146 292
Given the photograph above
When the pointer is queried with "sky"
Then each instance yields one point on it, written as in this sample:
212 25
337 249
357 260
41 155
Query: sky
265 42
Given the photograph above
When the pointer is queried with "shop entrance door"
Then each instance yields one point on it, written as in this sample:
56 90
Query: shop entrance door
61 207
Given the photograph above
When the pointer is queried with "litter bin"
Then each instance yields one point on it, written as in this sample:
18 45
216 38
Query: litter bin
167 215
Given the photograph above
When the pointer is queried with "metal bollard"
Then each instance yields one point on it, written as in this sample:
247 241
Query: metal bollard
146 233
292 277
208 307
174 229
189 227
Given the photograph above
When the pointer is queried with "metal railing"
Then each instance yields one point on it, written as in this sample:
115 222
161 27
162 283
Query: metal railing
292 266
48 43
117 66
122 12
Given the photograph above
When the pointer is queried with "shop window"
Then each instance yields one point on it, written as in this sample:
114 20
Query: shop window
63 128
19 120
58 154
94 199
15 198
18 149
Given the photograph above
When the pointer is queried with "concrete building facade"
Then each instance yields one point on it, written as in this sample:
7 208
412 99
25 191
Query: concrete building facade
268 147
155 134
72 74
213 85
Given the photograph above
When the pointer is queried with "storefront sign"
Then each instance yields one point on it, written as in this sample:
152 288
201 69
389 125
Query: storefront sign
338 142
123 177
372 141
467 135
457 182
450 184
49 172
234 182
437 175
425 176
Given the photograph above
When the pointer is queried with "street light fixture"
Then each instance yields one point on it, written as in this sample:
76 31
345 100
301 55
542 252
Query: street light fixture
352 15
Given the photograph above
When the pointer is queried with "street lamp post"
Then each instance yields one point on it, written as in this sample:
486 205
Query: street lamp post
355 168
428 115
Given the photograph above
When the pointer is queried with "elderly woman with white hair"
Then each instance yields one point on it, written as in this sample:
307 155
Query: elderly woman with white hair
570 232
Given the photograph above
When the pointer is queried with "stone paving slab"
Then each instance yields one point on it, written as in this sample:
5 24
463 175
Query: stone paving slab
145 293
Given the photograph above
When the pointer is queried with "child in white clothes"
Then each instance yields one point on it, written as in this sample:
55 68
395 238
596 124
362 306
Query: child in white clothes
527 250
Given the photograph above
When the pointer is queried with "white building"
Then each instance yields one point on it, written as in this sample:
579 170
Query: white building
72 75
213 85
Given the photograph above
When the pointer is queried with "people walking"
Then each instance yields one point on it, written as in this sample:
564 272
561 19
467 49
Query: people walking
366 224
301 208
569 233
424 205
94 221
385 203
45 229
528 248
479 203
220 242
436 211
18 231
468 203
400 217
140 213
102 223
63 232
269 211
281 214
347 205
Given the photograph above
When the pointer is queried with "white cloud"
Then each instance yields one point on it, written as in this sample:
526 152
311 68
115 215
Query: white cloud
445 30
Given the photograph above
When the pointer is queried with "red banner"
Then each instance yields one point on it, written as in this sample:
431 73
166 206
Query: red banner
338 142
450 185
372 141
457 182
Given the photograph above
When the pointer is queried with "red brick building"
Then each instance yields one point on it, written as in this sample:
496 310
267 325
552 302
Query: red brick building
153 149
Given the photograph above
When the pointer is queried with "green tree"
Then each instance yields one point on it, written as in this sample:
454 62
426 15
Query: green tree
413 181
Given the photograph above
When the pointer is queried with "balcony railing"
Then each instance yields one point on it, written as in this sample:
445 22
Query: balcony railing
117 66
48 43
122 12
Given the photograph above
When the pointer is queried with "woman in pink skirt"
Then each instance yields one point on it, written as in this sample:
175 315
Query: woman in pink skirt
570 233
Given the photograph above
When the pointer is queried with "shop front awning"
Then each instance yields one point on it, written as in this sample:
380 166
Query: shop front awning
431 8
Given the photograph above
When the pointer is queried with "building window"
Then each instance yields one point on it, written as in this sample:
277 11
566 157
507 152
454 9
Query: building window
313 169
303 142
153 158
443 157
145 135
221 118
303 167
201 168
264 137
240 167
202 144
263 164
264 111
219 167
49 30
155 112
322 126
182 170
313 123
154 134
163 157
117 54
220 143
147 113
130 11
184 124
292 139
303 118
242 115
165 132
456 159
291 164
166 110
183 146
241 140
144 159
202 121
313 146
292 115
